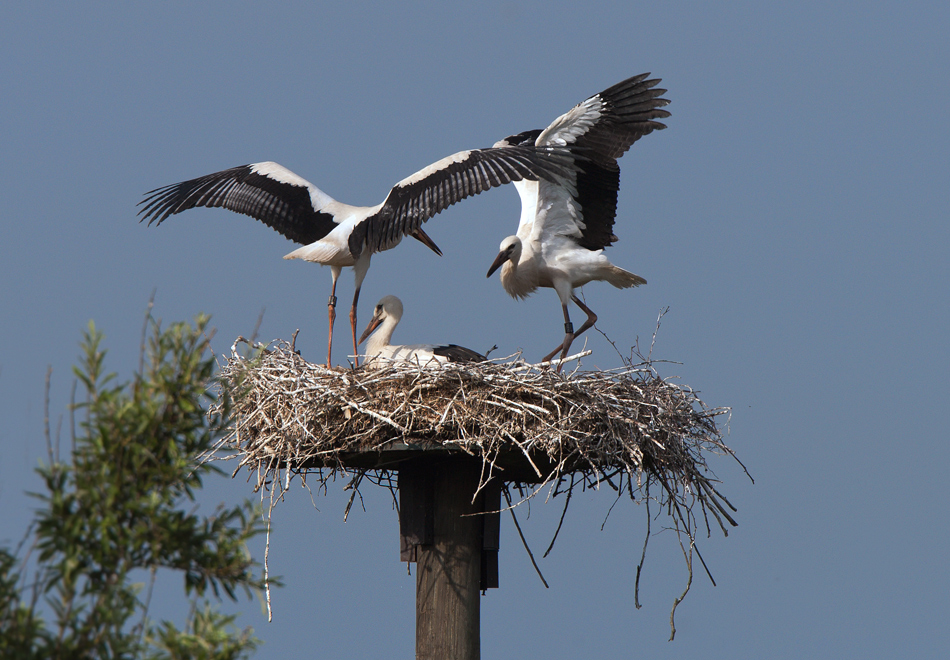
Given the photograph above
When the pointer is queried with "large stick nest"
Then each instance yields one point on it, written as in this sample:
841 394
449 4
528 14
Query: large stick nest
526 424
640 434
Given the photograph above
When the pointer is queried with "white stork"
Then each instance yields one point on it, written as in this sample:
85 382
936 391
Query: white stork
339 235
380 332
566 224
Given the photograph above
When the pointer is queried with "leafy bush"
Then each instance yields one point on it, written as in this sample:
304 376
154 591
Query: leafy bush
123 508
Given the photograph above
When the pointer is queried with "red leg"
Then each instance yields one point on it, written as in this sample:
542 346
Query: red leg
568 339
591 317
356 351
331 312
569 334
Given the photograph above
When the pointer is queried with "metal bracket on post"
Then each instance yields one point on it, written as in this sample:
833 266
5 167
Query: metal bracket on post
491 534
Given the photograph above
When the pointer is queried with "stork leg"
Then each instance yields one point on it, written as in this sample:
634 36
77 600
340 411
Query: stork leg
569 334
568 339
359 272
356 351
331 312
591 317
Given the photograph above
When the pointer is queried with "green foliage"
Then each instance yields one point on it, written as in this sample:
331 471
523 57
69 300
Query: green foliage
124 509
209 638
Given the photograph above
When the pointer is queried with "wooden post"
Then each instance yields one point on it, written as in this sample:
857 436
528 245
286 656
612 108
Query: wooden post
449 567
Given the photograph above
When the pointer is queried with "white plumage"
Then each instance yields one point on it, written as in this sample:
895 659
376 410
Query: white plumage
379 350
339 235
566 223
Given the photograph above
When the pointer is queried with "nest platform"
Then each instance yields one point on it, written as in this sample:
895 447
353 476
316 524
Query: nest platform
449 439
525 424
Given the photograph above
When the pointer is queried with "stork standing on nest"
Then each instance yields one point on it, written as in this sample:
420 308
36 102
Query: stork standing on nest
380 332
565 225
339 235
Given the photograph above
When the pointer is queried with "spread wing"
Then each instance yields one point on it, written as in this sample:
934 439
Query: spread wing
433 189
265 191
604 126
597 132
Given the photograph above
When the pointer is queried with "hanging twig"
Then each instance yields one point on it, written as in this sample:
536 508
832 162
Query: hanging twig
354 485
567 500
523 541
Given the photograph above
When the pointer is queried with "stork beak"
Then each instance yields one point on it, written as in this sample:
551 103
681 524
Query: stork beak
373 324
499 260
426 240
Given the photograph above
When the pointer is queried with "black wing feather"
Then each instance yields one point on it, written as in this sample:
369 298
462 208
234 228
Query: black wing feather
597 187
415 200
630 110
457 353
283 206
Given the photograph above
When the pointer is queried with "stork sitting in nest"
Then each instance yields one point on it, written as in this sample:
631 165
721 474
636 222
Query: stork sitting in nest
380 352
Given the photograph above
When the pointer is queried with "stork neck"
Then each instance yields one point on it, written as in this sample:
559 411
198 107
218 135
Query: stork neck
382 337
519 279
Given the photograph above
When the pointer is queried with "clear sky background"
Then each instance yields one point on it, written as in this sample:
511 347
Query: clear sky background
793 217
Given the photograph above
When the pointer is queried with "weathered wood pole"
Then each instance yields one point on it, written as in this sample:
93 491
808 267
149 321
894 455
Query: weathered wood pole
448 554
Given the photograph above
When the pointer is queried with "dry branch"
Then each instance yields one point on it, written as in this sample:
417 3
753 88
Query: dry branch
527 424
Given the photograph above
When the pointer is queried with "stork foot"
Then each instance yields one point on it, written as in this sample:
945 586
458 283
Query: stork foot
563 348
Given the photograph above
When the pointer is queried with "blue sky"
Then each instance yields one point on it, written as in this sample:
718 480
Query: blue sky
793 218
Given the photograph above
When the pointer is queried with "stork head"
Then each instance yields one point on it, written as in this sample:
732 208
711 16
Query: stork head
389 308
509 250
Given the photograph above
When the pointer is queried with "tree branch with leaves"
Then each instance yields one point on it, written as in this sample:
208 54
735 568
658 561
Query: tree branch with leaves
124 507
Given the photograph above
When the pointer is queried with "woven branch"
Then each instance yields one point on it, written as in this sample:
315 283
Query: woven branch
640 434
290 416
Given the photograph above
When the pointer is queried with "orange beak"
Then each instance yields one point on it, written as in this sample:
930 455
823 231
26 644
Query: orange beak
373 324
